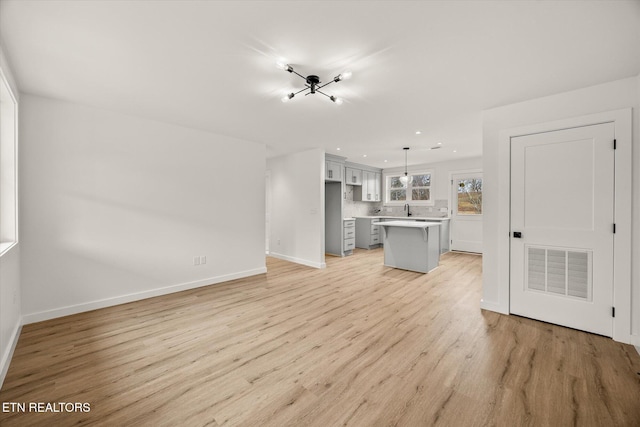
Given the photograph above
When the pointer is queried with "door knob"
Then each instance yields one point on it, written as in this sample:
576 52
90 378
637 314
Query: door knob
517 234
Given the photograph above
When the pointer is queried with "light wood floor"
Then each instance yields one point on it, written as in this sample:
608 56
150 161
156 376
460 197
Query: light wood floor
355 344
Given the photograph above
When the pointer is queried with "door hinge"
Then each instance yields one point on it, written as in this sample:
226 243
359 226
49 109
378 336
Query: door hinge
613 312
615 144
614 228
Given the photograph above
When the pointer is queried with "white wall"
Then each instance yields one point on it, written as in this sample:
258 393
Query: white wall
10 289
297 207
601 98
114 208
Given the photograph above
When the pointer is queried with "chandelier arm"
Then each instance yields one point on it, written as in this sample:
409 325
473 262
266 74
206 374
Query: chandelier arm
323 93
326 84
299 75
301 90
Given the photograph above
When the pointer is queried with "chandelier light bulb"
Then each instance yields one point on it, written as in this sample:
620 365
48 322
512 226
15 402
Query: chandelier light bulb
346 75
288 96
336 100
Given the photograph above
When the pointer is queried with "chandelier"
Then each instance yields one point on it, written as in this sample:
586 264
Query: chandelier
313 83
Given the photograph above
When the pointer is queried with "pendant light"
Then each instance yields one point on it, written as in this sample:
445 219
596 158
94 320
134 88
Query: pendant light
405 179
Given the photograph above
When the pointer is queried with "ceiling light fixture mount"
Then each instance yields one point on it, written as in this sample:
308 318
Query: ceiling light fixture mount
313 83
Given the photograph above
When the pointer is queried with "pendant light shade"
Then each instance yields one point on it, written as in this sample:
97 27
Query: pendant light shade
405 179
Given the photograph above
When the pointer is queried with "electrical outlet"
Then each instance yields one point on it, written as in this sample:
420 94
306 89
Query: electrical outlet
203 259
196 260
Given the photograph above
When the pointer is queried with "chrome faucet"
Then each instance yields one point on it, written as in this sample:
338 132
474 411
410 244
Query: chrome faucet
408 209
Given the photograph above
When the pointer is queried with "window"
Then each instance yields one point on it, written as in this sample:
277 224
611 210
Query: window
469 196
8 169
417 189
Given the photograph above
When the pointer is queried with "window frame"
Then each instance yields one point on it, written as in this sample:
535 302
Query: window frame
8 168
387 189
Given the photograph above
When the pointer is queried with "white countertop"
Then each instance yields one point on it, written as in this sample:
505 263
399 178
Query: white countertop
348 219
408 224
409 218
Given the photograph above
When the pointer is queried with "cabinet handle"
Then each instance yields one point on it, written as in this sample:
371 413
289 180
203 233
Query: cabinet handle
330 174
368 196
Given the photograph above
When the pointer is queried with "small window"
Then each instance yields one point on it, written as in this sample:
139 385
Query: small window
470 196
416 189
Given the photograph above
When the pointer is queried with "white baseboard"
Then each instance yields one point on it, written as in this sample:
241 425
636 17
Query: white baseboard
8 354
108 302
637 349
298 260
492 306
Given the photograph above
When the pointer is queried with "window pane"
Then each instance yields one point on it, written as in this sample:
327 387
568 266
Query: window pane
395 195
421 180
420 194
394 182
470 196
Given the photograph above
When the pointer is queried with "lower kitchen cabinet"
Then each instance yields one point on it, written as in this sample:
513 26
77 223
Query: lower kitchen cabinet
349 234
367 234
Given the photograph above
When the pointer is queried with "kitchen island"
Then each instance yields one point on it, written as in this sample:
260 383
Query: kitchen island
445 239
411 245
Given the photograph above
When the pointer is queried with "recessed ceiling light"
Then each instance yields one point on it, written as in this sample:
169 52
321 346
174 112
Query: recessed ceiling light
455 151
364 155
439 143
418 132
338 148
385 161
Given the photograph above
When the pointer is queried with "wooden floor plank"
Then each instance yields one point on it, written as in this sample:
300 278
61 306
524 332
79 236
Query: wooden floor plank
354 344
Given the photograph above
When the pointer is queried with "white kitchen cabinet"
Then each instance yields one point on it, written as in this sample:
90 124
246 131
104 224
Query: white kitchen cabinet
367 234
333 171
353 176
370 190
377 184
349 236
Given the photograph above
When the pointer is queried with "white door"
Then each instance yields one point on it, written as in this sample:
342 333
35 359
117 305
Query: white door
562 199
466 212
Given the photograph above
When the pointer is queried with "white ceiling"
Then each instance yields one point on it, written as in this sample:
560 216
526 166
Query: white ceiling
431 66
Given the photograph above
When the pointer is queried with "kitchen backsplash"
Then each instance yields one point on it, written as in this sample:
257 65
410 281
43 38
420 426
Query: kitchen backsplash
351 208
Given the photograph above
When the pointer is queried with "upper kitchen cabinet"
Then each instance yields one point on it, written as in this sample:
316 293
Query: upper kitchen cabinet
333 171
370 190
353 176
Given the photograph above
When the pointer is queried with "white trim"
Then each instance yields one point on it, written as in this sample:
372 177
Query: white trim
492 306
298 260
16 129
109 302
6 246
8 354
622 120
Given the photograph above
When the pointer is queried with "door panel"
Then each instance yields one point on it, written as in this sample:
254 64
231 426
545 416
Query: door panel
562 198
